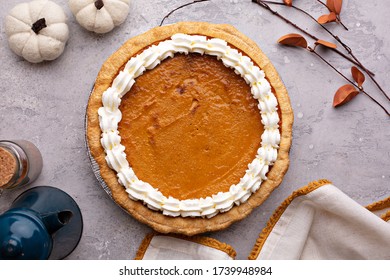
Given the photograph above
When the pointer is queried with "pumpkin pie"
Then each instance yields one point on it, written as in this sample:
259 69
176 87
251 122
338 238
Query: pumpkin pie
191 127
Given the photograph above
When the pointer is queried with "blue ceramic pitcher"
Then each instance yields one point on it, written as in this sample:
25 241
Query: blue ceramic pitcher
42 223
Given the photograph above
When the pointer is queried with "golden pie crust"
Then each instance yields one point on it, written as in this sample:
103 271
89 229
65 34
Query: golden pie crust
189 225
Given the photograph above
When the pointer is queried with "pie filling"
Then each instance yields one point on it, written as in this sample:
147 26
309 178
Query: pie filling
190 127
200 130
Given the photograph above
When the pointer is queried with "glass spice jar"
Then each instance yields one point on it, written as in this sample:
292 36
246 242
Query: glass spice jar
20 163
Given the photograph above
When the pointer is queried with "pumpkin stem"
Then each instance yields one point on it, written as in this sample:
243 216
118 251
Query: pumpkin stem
99 4
39 25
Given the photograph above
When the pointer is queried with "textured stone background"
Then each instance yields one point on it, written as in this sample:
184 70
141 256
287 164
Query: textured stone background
45 103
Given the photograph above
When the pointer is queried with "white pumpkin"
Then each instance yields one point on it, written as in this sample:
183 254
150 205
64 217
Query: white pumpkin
99 16
37 30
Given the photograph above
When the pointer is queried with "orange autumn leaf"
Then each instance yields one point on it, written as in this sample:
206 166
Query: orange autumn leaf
288 2
326 44
330 5
294 40
358 76
327 18
337 6
344 94
334 6
323 19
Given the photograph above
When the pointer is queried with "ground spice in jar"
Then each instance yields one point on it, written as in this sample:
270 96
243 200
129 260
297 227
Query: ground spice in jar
20 163
8 166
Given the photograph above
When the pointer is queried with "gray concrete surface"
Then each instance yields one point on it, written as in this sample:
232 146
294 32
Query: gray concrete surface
45 103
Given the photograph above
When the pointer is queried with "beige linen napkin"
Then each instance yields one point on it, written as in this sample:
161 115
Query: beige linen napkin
317 221
321 222
176 247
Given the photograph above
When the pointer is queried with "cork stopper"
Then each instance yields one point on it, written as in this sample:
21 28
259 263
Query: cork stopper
8 167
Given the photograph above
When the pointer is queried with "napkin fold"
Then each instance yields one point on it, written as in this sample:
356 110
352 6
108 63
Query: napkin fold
321 222
317 221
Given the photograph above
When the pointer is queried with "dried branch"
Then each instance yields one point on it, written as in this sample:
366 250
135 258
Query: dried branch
347 79
337 16
323 4
355 60
180 7
349 50
347 92
266 6
369 73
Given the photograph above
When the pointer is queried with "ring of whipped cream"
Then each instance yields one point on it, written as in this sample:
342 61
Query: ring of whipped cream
110 116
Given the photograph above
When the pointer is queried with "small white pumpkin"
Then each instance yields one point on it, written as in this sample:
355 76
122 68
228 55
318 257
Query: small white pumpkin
99 16
37 30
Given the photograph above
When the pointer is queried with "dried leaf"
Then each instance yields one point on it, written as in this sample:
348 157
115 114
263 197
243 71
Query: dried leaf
294 40
330 5
327 18
332 17
323 19
358 76
326 44
344 94
288 2
334 6
337 6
